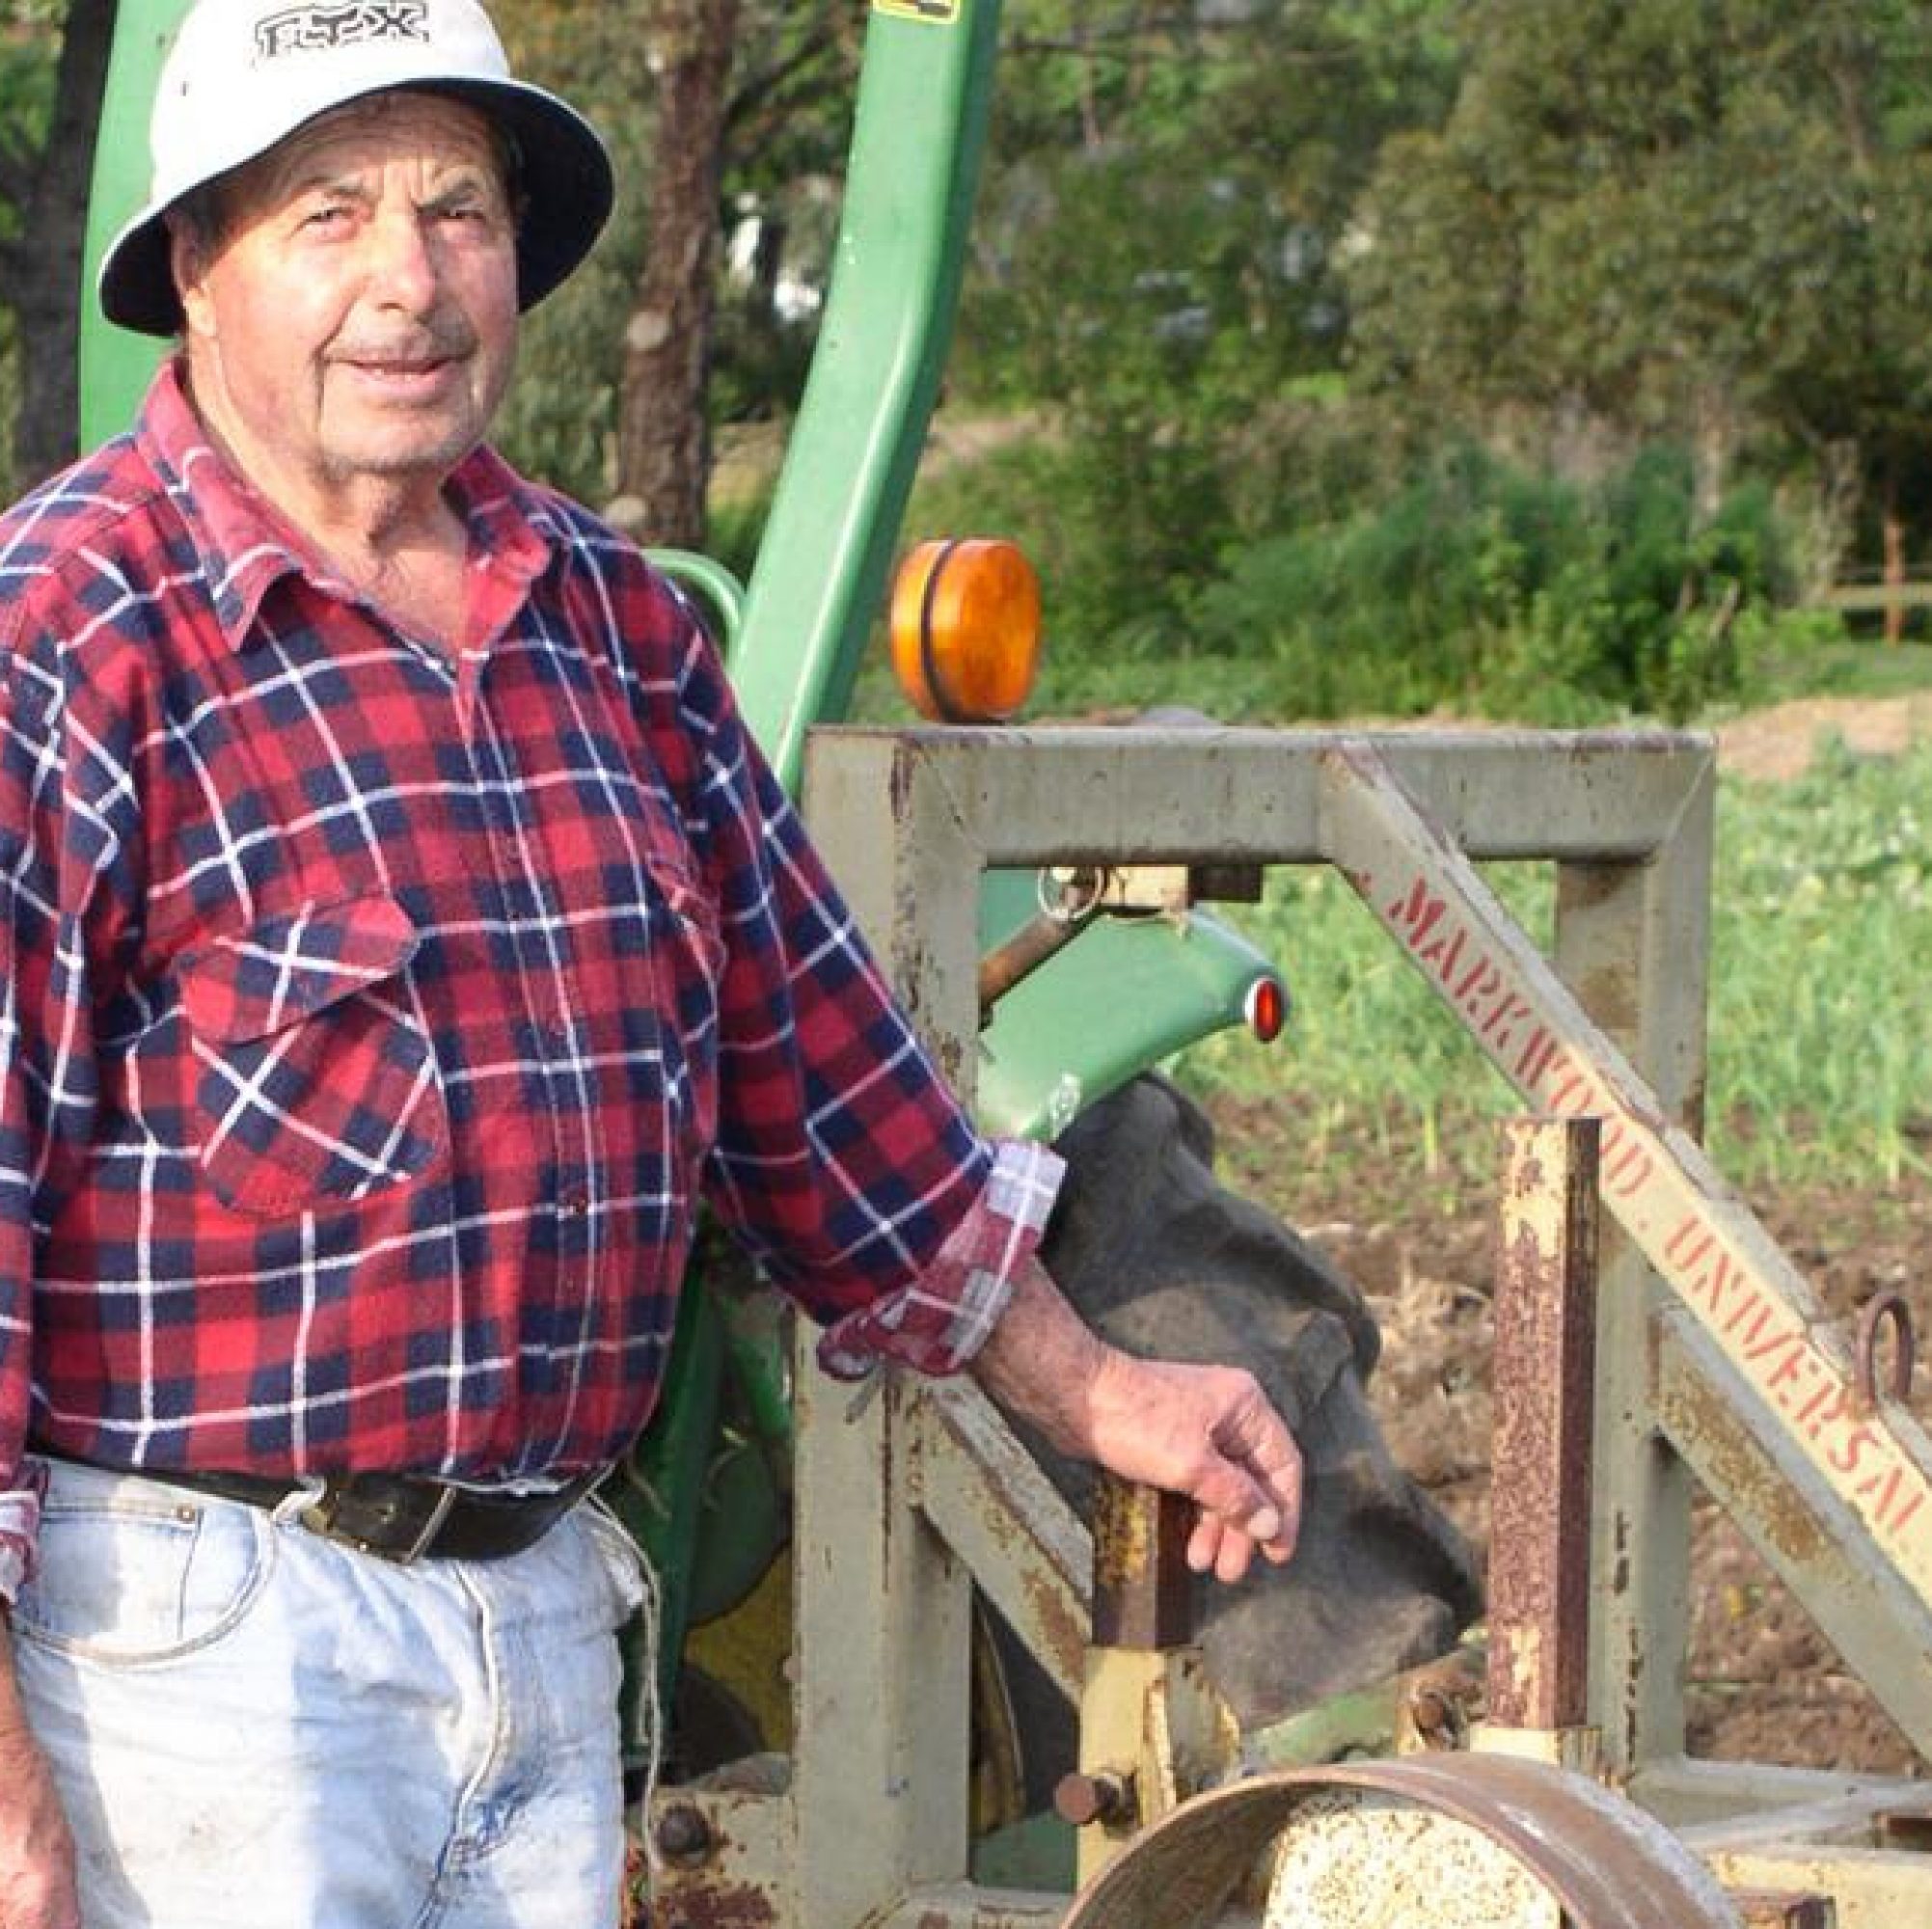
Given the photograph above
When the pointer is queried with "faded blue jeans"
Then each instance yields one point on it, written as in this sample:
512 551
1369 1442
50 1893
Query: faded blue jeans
256 1728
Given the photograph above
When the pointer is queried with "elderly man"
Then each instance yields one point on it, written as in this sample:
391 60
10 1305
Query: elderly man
401 936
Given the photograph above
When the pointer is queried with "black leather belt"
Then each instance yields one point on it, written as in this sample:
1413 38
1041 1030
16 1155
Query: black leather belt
400 1517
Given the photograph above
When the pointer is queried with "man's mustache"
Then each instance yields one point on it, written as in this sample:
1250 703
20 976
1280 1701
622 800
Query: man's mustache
448 343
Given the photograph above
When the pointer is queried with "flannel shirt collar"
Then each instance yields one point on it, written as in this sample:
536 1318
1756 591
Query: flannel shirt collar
246 547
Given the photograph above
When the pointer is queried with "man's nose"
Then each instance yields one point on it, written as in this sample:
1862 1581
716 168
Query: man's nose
402 268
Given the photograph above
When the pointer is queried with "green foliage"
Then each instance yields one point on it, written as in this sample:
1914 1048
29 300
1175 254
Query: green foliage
1820 1060
560 417
28 48
1369 1046
1643 218
794 70
734 526
1808 655
1483 588
1823 923
1473 586
1155 270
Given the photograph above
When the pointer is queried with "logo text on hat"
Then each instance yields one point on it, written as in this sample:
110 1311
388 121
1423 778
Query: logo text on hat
308 30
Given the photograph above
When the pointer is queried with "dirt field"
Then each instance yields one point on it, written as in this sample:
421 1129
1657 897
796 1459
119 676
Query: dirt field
1763 1684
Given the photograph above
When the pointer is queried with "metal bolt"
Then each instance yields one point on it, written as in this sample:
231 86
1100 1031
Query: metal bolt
683 1835
1435 1715
1105 1797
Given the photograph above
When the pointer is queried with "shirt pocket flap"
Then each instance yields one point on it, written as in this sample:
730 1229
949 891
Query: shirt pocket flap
255 983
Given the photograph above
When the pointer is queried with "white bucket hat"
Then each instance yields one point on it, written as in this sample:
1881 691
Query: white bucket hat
243 74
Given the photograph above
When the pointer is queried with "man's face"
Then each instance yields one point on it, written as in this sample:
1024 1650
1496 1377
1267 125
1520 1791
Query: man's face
356 317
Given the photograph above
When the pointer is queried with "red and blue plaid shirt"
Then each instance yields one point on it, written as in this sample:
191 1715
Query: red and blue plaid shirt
375 1016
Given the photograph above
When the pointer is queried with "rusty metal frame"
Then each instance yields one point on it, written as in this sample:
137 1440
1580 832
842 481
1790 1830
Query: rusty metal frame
1543 1375
896 1521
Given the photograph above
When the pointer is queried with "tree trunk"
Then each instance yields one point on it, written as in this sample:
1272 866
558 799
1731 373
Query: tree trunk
664 443
42 269
1832 524
1710 454
1894 523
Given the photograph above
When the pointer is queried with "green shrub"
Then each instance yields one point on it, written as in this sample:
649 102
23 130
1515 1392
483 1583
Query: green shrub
1482 588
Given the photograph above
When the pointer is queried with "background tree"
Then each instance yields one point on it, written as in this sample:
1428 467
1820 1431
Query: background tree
53 63
728 118
664 443
1245 272
1156 271
1641 218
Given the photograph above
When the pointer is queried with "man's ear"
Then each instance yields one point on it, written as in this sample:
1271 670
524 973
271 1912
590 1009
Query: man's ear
188 263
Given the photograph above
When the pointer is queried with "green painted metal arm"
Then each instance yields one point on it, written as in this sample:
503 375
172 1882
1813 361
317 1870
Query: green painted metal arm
710 579
115 366
1124 994
917 141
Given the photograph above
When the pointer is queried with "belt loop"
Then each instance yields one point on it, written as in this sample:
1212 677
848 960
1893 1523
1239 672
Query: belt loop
305 1494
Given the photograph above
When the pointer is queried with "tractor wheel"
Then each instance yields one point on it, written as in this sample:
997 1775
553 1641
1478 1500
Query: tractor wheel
1165 1261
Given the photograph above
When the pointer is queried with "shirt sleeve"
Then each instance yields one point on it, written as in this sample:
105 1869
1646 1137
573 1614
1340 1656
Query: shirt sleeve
840 1159
56 850
940 1320
29 926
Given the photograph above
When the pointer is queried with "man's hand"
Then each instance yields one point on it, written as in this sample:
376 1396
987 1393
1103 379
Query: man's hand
1208 1432
37 1857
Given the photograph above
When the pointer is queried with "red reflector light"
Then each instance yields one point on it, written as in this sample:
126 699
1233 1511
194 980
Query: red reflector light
1266 1009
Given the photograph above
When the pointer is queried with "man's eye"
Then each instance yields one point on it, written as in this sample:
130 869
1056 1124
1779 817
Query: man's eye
324 218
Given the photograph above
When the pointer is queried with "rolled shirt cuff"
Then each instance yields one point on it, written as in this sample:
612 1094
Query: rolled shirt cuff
20 1530
938 1323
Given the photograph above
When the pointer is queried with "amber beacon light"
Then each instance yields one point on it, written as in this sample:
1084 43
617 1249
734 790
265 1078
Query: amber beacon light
965 629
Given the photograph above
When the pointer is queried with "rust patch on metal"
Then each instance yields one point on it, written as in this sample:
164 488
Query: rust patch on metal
1544 1375
1064 1632
726 1906
1143 1593
1059 1619
1703 1418
899 783
1761 1909
1619 1540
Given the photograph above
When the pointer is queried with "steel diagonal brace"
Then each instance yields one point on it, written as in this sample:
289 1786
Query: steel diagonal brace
1792 1370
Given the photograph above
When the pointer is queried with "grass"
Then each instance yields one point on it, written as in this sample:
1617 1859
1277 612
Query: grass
1835 663
1821 1050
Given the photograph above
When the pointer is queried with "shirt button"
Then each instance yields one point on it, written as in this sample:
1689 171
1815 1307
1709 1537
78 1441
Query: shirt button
577 1202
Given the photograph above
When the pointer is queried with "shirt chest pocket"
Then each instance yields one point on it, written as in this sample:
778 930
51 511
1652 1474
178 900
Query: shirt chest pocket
312 1078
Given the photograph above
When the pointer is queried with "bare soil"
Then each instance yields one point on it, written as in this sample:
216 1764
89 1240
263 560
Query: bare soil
1761 1684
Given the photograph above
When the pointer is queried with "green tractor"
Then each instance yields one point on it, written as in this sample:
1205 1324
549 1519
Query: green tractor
1095 989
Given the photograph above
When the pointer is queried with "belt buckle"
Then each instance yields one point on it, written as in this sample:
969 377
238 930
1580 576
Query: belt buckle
321 1517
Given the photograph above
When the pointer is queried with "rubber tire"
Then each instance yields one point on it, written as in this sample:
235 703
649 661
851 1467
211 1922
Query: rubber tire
1165 1261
